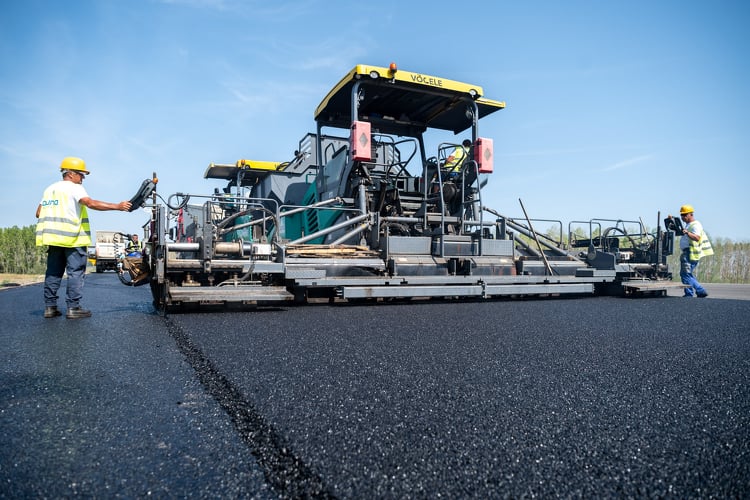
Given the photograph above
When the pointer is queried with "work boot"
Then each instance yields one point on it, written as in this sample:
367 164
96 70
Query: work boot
77 312
702 294
51 312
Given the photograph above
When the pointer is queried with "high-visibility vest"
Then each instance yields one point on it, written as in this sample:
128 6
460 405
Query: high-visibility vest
455 160
134 246
701 248
63 222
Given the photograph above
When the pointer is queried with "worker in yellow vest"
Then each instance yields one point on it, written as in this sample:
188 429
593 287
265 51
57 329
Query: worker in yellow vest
455 160
694 245
450 167
133 246
63 226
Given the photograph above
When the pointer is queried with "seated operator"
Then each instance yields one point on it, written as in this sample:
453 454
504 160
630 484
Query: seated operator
133 244
455 161
451 167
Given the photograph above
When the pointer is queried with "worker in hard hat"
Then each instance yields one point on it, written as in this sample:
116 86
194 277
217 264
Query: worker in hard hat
694 245
63 226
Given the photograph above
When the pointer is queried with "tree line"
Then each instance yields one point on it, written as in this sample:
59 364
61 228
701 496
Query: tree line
729 264
19 253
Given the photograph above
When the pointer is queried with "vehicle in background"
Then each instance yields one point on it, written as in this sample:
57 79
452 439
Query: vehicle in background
104 251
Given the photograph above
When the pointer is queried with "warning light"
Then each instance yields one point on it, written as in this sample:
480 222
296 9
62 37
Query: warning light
392 68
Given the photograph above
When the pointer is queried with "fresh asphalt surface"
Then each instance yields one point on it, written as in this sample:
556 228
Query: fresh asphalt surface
576 397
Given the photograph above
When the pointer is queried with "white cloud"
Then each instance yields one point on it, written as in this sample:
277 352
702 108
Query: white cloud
626 163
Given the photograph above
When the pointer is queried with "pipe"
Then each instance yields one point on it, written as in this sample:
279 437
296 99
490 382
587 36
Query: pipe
328 230
526 246
182 264
246 224
314 205
351 233
544 256
531 234
221 247
183 247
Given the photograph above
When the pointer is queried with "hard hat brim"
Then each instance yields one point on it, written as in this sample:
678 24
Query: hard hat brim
76 170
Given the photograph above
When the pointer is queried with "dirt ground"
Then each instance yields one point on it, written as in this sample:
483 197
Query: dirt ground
11 280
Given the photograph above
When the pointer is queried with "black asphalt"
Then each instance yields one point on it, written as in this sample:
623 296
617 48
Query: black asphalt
582 397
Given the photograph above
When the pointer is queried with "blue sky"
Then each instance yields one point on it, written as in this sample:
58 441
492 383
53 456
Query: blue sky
615 110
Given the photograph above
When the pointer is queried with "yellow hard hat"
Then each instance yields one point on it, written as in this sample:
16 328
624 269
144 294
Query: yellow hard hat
686 209
73 163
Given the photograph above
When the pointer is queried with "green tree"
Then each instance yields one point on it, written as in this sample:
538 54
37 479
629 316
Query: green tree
730 262
19 253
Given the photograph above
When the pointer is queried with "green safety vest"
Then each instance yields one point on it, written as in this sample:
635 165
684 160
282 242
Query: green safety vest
60 223
701 248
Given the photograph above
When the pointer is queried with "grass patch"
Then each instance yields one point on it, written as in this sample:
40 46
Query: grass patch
9 279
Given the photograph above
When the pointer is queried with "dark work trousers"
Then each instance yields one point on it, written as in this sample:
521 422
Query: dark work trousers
59 261
687 275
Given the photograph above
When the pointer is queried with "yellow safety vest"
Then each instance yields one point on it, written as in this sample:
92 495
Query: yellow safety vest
63 222
701 248
454 164
133 246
